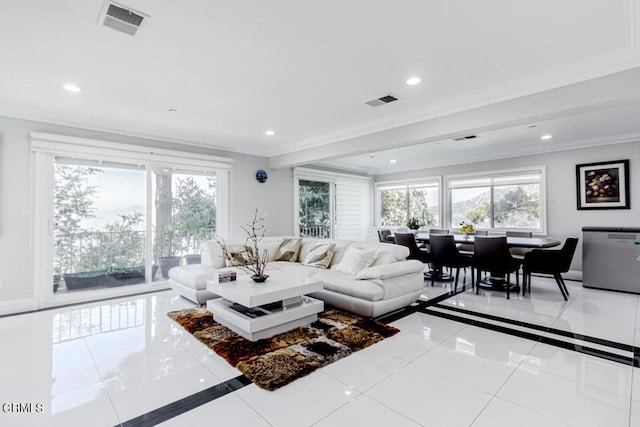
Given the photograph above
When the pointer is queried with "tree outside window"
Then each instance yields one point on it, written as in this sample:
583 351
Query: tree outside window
500 202
398 203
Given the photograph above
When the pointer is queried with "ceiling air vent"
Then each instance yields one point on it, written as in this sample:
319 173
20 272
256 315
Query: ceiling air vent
121 18
464 138
382 100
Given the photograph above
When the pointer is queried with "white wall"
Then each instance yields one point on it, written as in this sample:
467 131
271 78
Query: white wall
274 198
563 217
16 251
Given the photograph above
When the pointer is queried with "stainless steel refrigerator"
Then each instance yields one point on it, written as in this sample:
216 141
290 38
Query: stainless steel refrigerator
611 258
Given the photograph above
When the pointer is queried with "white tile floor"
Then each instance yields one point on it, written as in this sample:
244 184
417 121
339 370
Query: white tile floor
105 363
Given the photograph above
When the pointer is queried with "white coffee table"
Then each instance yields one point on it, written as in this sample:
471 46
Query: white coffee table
261 310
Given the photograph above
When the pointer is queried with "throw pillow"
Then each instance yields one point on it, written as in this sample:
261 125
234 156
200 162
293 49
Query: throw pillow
288 250
239 255
355 260
320 256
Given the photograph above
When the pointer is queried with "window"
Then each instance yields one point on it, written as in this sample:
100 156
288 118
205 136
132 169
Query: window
504 200
397 202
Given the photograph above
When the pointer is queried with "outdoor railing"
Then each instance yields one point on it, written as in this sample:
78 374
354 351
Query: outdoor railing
92 251
318 231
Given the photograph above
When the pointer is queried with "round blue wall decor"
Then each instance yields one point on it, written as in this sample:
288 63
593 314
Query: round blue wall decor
261 176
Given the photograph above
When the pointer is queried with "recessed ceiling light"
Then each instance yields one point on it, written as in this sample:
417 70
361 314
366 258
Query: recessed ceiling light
412 81
270 132
173 110
392 161
546 137
70 87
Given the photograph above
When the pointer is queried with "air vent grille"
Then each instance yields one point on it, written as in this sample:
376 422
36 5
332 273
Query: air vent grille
124 15
382 100
464 138
121 18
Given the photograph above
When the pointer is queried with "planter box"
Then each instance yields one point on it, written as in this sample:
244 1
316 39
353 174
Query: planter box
132 276
193 259
101 279
167 263
88 279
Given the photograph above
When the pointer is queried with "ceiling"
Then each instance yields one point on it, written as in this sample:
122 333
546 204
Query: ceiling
232 70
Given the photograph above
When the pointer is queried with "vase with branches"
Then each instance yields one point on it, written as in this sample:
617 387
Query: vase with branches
253 261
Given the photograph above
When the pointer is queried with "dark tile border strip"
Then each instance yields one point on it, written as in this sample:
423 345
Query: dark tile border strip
188 403
413 308
631 361
587 338
73 304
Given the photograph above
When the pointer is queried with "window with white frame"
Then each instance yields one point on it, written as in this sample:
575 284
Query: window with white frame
499 200
397 202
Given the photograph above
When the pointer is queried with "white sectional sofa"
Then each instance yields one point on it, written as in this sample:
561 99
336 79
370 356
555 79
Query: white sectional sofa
389 283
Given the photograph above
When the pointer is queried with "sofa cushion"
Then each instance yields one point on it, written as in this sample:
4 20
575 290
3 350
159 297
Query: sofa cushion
271 245
320 256
288 249
309 243
293 268
346 284
238 255
386 253
355 259
387 271
212 254
193 275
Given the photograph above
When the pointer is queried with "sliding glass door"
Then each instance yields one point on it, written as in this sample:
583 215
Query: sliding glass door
99 225
184 215
332 205
111 219
315 208
101 222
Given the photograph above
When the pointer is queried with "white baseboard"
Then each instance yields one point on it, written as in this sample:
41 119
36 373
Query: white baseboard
16 306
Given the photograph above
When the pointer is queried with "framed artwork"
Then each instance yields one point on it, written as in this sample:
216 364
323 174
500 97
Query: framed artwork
603 185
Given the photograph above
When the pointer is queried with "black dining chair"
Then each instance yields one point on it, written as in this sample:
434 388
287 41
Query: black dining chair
519 252
409 240
549 261
438 231
491 254
445 254
385 236
467 248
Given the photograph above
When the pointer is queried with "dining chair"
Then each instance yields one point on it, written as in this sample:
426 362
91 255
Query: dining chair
467 248
385 236
549 261
445 254
438 231
409 240
519 252
491 254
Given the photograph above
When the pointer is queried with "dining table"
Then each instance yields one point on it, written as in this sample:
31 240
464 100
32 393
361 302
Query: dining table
512 242
497 282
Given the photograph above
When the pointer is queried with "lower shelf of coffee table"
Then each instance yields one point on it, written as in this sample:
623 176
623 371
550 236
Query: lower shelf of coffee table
268 324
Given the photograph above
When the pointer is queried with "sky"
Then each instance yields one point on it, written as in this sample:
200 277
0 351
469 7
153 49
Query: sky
122 192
